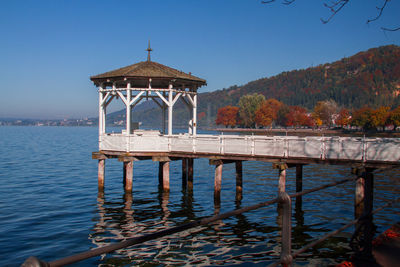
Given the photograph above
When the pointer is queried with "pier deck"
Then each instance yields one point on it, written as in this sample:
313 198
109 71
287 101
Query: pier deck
371 152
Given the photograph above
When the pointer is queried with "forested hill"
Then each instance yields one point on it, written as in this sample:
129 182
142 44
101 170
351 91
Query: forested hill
368 78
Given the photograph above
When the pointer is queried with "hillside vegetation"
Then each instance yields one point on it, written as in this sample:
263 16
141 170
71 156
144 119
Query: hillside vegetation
368 78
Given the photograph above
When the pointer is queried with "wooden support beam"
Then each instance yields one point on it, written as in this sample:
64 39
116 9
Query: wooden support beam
165 179
299 185
128 175
299 177
101 172
98 155
190 174
161 158
239 180
160 173
218 181
127 158
282 175
184 173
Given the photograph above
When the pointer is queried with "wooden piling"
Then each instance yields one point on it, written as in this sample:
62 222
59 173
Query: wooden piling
101 172
165 179
239 180
128 171
160 173
299 177
217 180
184 173
190 174
299 184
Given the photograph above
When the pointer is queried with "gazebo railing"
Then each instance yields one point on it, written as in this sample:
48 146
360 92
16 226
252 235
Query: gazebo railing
323 148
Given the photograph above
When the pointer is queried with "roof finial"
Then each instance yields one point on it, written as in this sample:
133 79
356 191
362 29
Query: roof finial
149 50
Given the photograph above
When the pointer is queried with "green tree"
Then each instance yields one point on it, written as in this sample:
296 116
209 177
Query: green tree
248 104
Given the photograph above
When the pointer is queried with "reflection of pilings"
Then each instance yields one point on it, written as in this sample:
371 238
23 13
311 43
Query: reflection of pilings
164 200
128 207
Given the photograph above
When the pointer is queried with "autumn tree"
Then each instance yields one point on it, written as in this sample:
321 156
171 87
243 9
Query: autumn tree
227 116
248 104
324 111
344 118
394 117
362 118
379 117
298 116
281 116
267 113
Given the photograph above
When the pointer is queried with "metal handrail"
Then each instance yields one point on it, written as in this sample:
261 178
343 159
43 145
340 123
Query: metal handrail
283 198
330 234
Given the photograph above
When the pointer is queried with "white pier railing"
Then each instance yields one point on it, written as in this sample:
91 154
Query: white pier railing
338 148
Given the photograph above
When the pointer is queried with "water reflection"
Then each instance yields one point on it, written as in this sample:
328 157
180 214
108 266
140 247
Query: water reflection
252 237
232 241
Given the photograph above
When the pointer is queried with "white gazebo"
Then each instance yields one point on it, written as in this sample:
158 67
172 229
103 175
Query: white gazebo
148 80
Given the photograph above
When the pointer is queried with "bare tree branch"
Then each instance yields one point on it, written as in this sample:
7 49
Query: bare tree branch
335 6
390 29
380 10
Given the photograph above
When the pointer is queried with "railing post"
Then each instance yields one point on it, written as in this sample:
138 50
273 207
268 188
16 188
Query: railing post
286 251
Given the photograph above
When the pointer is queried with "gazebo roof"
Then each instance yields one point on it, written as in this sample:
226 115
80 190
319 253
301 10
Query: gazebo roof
148 69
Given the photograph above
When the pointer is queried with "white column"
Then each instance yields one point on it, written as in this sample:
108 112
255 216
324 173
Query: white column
101 111
194 120
163 117
128 109
170 101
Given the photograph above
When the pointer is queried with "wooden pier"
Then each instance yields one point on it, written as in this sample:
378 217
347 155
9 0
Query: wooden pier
165 86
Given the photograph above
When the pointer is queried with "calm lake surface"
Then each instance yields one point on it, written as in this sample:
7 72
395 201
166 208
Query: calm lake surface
50 207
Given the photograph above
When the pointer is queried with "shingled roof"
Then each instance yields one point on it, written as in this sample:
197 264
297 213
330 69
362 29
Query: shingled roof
148 69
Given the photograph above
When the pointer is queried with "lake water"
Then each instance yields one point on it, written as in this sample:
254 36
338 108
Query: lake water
50 207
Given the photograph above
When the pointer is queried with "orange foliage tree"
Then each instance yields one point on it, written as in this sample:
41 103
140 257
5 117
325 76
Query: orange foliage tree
362 118
344 117
394 117
201 115
298 116
227 116
267 112
379 117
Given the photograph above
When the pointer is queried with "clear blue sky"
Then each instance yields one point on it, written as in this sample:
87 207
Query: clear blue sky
48 49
